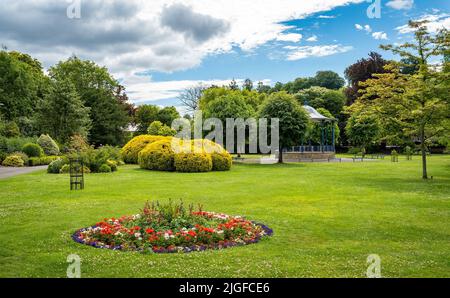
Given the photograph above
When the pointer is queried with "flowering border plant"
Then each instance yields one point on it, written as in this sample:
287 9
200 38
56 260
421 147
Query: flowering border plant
171 228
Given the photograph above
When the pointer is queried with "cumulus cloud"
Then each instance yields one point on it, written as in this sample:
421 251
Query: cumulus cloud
379 35
366 28
312 38
196 26
435 23
160 35
290 37
303 52
400 4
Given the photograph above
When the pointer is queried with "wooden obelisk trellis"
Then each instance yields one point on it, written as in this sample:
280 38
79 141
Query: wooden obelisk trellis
76 174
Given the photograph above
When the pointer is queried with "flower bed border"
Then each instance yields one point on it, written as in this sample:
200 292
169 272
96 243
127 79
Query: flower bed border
180 249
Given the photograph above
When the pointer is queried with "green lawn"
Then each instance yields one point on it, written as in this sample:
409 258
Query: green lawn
327 218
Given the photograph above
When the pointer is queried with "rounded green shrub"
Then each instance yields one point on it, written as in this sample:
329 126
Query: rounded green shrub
131 150
13 161
104 168
32 150
193 162
158 156
55 166
112 164
221 161
48 145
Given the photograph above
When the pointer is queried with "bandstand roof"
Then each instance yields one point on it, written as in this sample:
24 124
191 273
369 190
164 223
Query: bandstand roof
316 116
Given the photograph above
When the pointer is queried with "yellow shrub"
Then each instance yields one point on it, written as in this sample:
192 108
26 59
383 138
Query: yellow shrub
158 156
221 161
131 150
193 162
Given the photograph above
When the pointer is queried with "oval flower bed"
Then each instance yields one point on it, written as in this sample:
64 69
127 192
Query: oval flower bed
171 228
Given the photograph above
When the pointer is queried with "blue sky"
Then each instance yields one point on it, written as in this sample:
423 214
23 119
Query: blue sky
157 48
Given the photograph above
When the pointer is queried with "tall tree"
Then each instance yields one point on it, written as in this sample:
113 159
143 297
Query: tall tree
328 79
62 113
293 119
233 85
98 91
248 85
418 103
145 114
167 114
319 97
360 71
190 97
19 86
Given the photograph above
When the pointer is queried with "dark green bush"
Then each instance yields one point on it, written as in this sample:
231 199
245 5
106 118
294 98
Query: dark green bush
55 166
16 144
32 150
104 168
10 130
3 155
48 145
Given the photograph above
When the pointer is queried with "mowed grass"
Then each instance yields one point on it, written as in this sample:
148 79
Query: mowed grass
327 218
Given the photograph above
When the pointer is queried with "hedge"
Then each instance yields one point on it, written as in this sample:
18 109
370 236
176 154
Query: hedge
158 156
193 162
41 161
131 150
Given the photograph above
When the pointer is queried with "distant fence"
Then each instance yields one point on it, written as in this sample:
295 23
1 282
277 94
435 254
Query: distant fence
301 149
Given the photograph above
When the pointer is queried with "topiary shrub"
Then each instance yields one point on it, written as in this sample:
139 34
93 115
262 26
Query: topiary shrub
48 145
193 162
131 150
221 161
32 150
158 156
55 166
104 168
13 161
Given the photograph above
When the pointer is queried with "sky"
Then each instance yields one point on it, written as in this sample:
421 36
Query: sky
157 48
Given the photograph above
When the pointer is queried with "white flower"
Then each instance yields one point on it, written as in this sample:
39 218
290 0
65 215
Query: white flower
137 235
166 236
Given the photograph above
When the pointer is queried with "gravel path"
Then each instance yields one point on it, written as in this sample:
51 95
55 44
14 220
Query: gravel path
6 172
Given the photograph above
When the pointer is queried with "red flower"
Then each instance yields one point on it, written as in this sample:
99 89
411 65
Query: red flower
149 231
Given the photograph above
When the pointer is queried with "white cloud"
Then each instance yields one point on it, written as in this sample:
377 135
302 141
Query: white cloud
366 28
312 38
303 52
379 35
131 36
400 4
435 23
326 17
290 37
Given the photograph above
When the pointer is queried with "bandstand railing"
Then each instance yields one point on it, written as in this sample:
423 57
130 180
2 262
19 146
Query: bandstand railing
301 149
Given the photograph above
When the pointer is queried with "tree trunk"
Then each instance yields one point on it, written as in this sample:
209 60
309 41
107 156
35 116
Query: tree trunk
280 156
424 153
